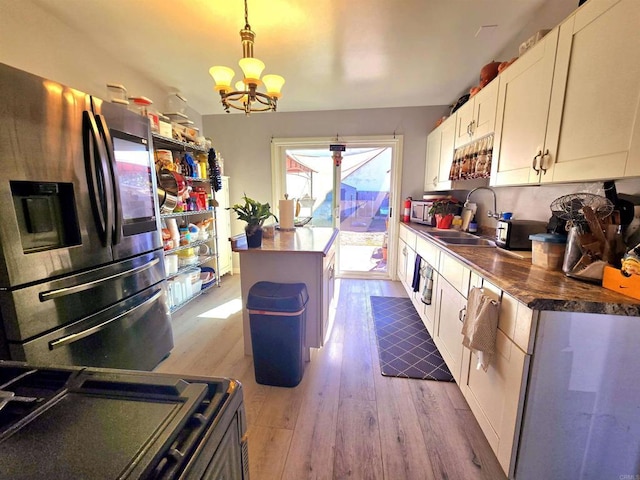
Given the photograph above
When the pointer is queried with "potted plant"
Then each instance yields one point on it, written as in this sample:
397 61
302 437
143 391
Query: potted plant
444 210
255 214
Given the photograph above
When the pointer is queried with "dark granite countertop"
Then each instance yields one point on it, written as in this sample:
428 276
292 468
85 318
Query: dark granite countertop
534 286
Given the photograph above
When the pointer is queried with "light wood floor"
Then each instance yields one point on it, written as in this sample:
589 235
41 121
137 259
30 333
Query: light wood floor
344 420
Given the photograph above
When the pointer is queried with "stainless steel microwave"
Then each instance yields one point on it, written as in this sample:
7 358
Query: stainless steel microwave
420 212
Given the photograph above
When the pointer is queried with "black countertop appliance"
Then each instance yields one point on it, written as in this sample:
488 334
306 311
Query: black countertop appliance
81 423
514 234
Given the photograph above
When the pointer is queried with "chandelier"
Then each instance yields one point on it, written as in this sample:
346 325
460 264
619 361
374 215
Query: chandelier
246 97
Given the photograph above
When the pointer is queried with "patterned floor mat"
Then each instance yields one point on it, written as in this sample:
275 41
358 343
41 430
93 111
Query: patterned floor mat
405 347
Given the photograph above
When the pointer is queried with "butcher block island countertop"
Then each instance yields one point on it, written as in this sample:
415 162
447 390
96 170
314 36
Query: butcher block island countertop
304 255
534 286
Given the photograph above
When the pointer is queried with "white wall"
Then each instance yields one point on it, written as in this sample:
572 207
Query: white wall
33 40
244 142
549 15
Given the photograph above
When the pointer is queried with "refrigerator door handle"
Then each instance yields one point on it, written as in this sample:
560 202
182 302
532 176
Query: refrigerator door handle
74 337
113 169
61 292
97 175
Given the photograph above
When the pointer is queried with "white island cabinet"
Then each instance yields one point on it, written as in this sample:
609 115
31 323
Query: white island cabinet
306 255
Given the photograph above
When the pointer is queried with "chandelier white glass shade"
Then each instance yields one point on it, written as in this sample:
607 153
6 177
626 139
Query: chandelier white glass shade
246 96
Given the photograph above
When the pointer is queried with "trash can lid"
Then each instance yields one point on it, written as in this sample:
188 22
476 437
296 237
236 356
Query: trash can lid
277 297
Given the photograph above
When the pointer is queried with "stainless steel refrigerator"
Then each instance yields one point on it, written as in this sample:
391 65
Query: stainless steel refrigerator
81 264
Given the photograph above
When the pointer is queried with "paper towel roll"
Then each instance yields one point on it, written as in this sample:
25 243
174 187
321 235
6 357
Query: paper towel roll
286 214
172 225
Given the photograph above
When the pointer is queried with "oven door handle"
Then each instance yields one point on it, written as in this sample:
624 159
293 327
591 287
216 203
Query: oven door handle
61 292
74 337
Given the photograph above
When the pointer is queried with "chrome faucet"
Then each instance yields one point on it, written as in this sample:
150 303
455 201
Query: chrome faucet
491 214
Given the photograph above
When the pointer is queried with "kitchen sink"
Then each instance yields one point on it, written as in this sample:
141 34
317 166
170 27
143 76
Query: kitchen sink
474 242
454 237
451 234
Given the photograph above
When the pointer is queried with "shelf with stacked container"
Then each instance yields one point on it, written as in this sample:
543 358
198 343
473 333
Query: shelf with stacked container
183 281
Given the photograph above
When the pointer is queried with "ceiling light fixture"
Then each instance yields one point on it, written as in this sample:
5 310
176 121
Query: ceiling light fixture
245 97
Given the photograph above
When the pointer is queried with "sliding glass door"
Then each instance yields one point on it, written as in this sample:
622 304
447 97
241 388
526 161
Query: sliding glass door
351 191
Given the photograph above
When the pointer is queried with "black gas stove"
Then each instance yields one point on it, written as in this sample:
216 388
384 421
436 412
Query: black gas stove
90 423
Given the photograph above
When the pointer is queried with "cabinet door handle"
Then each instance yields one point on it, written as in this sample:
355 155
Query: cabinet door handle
462 313
542 161
535 161
471 128
404 251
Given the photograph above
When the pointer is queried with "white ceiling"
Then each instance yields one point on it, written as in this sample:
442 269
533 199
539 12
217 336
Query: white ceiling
334 54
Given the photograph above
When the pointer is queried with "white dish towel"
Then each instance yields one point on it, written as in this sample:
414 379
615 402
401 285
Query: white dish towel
480 325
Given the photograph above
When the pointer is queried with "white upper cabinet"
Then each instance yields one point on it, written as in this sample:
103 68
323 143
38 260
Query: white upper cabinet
524 94
432 166
594 125
569 109
440 147
477 117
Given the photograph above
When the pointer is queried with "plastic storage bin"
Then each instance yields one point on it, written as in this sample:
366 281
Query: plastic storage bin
277 324
548 250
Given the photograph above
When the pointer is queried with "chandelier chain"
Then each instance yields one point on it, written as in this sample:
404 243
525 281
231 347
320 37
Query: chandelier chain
246 16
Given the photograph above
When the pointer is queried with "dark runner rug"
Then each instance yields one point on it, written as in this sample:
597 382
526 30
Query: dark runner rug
405 347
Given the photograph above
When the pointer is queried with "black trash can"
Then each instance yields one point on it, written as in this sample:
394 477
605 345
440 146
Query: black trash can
277 324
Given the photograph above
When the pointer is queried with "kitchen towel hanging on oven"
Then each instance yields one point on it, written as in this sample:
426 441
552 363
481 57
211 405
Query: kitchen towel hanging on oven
426 272
415 283
480 325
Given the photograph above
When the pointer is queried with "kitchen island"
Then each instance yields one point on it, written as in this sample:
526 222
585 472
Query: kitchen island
306 255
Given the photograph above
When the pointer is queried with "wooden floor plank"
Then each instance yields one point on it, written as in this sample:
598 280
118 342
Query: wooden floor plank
356 379
268 449
313 444
403 445
448 445
344 420
281 407
358 453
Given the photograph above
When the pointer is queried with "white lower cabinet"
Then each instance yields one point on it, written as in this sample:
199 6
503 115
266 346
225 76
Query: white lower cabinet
401 270
496 397
406 257
447 336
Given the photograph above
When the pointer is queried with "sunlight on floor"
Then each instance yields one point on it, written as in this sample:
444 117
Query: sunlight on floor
225 310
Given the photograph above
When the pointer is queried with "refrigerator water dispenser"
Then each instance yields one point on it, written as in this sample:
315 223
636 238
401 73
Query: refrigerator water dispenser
46 215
